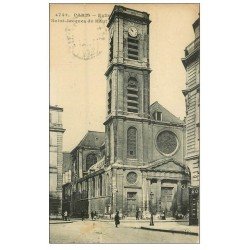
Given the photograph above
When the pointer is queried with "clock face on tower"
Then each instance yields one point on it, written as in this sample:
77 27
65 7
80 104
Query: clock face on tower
132 31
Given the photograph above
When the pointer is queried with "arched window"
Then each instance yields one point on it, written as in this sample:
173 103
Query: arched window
132 95
131 142
91 159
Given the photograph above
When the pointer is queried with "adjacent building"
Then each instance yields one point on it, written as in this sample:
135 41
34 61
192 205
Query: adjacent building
56 131
191 63
67 167
138 163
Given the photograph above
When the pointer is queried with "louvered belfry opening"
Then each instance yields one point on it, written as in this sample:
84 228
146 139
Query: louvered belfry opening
132 96
111 49
110 96
133 48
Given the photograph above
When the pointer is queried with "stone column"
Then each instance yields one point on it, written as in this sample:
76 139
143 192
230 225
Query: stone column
158 193
146 211
80 163
89 195
179 194
114 189
148 193
144 191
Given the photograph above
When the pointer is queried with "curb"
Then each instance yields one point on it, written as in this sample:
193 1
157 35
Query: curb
60 222
164 221
170 231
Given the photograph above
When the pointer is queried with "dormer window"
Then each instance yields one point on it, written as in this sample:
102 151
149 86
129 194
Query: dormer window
157 116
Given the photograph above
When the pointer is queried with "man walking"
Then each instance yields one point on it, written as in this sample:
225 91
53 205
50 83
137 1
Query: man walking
117 219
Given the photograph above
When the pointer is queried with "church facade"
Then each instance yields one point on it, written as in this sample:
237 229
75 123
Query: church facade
138 164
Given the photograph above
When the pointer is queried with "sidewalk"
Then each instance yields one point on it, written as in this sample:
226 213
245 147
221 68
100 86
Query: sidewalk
173 227
169 225
132 219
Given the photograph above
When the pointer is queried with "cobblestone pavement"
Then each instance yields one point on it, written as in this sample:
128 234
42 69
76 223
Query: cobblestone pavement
106 232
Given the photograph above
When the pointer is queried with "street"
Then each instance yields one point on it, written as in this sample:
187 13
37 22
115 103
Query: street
106 232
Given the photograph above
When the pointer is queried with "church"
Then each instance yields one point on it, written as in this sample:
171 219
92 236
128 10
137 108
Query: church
138 163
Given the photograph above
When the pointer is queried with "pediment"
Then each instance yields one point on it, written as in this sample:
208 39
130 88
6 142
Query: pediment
168 166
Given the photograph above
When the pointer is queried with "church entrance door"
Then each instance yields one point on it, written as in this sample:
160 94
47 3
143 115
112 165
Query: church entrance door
132 204
166 200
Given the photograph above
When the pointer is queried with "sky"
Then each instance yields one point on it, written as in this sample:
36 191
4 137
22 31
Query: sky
79 59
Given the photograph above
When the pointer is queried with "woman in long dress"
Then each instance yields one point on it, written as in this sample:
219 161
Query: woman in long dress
117 219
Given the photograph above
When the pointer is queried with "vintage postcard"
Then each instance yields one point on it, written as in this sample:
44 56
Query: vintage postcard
124 123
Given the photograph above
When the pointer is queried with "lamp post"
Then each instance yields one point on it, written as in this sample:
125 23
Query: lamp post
151 210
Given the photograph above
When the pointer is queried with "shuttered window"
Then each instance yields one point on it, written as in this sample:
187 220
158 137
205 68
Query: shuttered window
133 50
132 95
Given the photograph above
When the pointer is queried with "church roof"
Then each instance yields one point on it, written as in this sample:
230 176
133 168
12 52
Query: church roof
92 139
166 115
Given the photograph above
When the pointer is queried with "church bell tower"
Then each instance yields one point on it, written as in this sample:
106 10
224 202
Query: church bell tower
128 83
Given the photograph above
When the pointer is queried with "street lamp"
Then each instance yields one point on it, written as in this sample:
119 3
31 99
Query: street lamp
151 210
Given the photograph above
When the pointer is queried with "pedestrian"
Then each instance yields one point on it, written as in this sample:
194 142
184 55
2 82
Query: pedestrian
117 219
151 220
65 215
95 215
137 215
92 215
82 215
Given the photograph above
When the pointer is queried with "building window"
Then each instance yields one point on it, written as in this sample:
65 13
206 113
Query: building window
133 48
157 116
110 96
132 177
132 95
131 195
111 43
131 142
91 159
